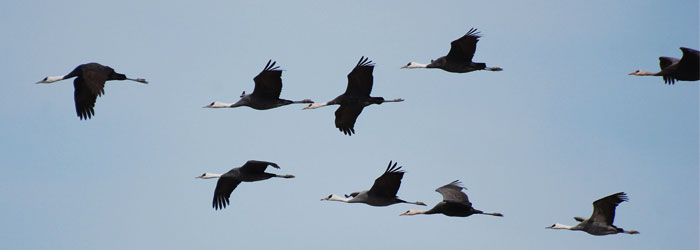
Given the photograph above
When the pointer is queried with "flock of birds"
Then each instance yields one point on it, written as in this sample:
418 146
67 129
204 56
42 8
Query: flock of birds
91 78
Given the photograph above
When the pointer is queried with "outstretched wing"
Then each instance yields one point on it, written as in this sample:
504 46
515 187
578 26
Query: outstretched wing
223 190
345 117
462 49
268 84
453 192
360 80
667 65
667 61
690 62
89 84
690 57
604 209
254 166
388 184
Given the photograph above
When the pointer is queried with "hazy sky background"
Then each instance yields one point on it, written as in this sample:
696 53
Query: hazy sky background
561 126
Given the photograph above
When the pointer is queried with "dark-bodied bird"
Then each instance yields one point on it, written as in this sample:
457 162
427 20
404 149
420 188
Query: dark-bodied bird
672 69
382 193
355 98
266 95
89 84
601 222
454 203
459 59
250 171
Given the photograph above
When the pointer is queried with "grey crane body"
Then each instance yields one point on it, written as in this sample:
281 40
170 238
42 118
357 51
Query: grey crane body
685 69
89 84
597 228
459 58
251 171
355 98
383 192
455 66
601 221
454 203
261 103
452 208
266 95
374 200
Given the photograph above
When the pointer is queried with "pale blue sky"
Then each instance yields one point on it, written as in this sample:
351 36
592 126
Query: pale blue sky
560 127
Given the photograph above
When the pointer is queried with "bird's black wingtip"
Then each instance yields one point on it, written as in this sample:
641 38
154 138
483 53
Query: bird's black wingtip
270 66
364 62
473 32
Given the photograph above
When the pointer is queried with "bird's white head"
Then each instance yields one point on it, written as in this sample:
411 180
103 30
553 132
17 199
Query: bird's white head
414 65
218 105
50 79
640 72
413 212
316 105
208 176
558 226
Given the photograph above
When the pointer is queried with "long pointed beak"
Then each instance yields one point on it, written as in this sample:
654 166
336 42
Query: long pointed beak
403 67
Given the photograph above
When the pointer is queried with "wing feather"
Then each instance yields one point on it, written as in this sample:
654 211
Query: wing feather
268 84
604 208
453 192
462 49
224 188
346 116
89 84
360 79
388 184
257 167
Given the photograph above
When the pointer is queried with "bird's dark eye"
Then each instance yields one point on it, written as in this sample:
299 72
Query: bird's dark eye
45 78
204 174
212 104
409 64
329 196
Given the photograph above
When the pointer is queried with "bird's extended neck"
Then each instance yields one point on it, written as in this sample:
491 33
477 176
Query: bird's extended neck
334 197
316 105
414 65
640 72
414 212
219 105
560 226
50 79
209 176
